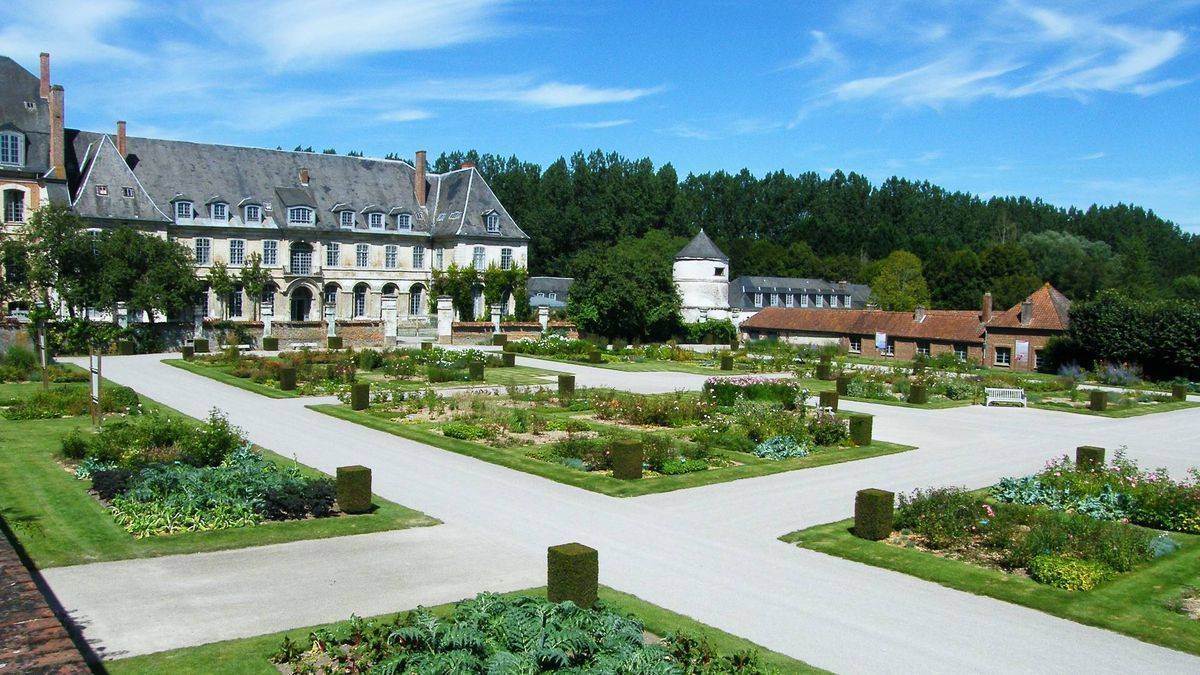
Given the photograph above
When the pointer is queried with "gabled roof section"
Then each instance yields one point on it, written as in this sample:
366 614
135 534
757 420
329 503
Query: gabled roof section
952 325
701 248
1051 311
106 167
463 200
19 87
295 196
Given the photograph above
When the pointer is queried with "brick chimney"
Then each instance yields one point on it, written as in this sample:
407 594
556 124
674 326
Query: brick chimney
919 314
121 146
304 175
419 178
1026 312
58 162
985 314
44 89
468 165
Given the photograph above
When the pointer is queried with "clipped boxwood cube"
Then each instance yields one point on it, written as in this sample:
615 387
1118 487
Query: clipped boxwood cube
918 367
1089 458
918 394
594 356
360 396
727 362
354 489
508 359
287 378
572 573
475 371
824 370
860 429
566 387
188 352
334 342
1099 400
200 345
627 458
509 346
426 346
125 348
499 339
733 344
270 344
873 513
829 399
1179 392
843 384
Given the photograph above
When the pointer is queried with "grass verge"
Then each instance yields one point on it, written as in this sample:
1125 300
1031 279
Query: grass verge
1118 413
223 375
1132 604
250 656
516 459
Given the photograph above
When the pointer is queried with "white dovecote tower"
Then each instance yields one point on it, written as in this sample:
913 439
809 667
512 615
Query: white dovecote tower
701 274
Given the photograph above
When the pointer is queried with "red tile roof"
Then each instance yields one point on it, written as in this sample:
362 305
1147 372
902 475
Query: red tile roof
939 324
1050 312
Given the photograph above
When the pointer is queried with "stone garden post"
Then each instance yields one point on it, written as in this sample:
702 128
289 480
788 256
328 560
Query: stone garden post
445 319
330 321
544 317
496 313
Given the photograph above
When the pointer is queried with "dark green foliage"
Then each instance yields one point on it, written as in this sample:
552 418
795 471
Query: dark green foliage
287 378
426 346
200 345
572 573
1162 336
1089 458
843 384
566 387
594 356
727 362
188 352
918 394
270 344
126 348
709 331
508 360
476 371
354 489
499 339
1098 400
334 342
873 511
945 517
829 399
108 483
860 429
1179 392
626 288
824 370
65 401
627 457
360 396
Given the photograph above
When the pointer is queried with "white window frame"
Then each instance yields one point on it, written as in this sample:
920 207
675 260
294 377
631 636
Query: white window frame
889 348
924 348
14 208
960 351
375 220
855 344
1004 362
333 252
359 302
300 215
479 257
391 256
237 252
404 222
439 258
12 148
493 223
774 298
789 300
203 244
346 219
506 258
418 257
184 210
804 299
218 211
758 299
252 213
270 255
416 302
235 303
833 301
362 255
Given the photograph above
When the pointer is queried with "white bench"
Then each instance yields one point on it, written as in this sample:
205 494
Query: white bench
995 395
297 346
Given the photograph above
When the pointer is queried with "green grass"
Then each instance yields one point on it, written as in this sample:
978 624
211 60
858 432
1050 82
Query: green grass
814 385
1113 411
647 366
251 656
223 374
1131 604
59 523
516 459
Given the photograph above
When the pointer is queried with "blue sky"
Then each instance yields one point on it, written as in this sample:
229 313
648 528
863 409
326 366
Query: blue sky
1074 102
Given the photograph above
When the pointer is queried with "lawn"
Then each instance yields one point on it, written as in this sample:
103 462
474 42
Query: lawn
1113 411
1132 604
59 523
222 374
814 385
516 459
251 656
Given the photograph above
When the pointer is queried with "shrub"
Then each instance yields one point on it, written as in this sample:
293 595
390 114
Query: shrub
944 517
877 389
827 429
475 370
725 391
463 430
108 483
860 429
781 447
1089 458
873 514
74 446
360 396
829 399
354 489
676 467
1068 573
67 401
918 394
960 389
572 573
200 345
334 342
1098 400
627 457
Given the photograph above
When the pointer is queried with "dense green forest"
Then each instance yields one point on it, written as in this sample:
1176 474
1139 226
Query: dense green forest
842 227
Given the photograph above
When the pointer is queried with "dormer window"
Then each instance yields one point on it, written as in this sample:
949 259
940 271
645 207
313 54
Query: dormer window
252 213
12 148
375 220
299 215
127 192
346 218
183 211
404 222
493 223
218 211
101 190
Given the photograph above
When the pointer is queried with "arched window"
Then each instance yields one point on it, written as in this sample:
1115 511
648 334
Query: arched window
301 258
12 148
331 291
360 300
301 301
390 289
416 300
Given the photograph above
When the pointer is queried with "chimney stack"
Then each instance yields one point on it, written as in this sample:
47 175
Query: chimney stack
919 314
419 178
58 162
121 146
986 314
304 176
1026 312
44 90
468 165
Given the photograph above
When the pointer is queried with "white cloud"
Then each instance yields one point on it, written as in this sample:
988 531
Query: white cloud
561 95
71 30
601 124
822 50
522 90
406 115
684 130
1091 157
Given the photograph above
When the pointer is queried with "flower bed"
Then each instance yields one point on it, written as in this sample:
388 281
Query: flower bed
726 391
68 401
18 364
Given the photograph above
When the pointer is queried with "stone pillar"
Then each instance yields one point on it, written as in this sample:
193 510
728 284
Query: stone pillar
268 317
496 313
122 315
388 312
330 321
445 317
544 317
198 328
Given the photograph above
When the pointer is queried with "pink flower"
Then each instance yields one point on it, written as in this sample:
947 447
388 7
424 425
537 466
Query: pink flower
990 511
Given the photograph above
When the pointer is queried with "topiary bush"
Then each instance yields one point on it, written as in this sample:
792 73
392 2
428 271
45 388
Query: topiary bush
508 360
873 513
627 458
1098 400
476 371
727 362
499 339
566 387
126 348
188 352
843 384
334 342
829 399
824 370
200 345
1069 573
270 344
360 396
1089 458
572 573
354 489
1179 392
860 429
287 378
918 394
595 357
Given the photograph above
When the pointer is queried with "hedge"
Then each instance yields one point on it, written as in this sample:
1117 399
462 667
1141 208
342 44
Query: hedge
727 362
126 348
200 345
1099 400
594 356
188 352
475 370
1179 392
627 457
360 396
873 513
508 359
334 342
843 384
287 378
354 489
566 387
861 429
499 339
270 344
829 399
572 573
918 394
1089 458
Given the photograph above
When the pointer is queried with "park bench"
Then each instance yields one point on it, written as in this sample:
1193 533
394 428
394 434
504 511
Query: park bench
997 395
297 346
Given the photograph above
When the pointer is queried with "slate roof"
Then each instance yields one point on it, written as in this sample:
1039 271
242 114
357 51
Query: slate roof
21 87
544 285
701 248
741 289
104 166
456 205
939 324
1051 310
